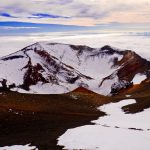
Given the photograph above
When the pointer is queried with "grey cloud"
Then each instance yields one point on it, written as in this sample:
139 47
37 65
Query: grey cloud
93 9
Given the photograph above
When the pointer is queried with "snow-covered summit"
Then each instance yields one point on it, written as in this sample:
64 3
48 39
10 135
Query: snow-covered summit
59 68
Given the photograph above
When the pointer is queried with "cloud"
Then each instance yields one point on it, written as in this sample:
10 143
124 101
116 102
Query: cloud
76 12
42 15
6 15
16 28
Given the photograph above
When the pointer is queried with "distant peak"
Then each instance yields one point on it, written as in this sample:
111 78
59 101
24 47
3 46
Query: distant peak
107 47
111 50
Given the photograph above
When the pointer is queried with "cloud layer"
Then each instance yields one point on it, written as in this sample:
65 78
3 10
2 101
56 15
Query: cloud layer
76 12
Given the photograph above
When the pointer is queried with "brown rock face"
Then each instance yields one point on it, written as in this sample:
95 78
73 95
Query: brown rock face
131 65
33 75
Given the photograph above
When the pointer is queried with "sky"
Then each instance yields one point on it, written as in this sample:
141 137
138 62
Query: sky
23 22
33 16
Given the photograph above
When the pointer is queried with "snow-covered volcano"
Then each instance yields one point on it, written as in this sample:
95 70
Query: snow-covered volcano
56 68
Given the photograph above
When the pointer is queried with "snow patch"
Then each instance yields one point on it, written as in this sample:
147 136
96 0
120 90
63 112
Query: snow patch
49 88
138 78
95 137
116 117
19 147
111 132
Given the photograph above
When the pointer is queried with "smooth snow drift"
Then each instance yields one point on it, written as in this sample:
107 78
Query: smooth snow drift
111 132
116 117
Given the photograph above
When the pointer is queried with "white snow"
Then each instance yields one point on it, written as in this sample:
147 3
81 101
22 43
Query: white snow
90 66
49 88
84 64
111 132
13 74
19 147
116 117
124 40
140 44
97 67
139 78
104 138
105 89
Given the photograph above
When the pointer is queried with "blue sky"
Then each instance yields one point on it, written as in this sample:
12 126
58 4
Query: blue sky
24 17
22 28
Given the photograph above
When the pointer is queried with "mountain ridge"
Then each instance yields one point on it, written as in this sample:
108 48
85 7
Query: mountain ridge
55 68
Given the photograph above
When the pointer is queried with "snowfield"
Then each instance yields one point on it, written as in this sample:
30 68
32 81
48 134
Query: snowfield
111 132
56 68
116 117
11 70
61 67
19 147
126 40
65 62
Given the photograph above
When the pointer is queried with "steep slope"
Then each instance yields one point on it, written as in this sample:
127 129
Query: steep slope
35 66
133 70
59 68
